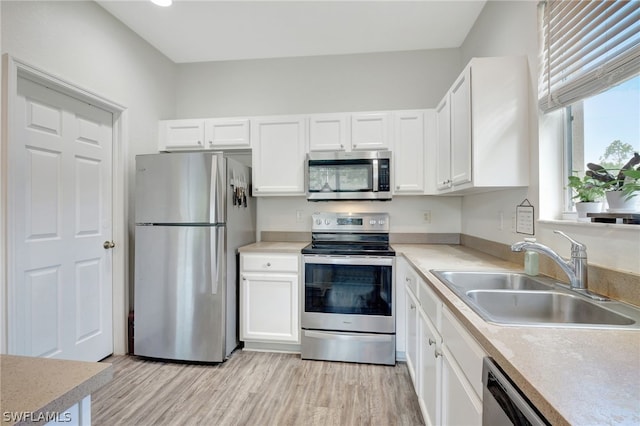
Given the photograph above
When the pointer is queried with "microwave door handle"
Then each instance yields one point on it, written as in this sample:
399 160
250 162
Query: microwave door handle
375 175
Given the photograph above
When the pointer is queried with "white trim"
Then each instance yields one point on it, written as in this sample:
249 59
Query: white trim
12 68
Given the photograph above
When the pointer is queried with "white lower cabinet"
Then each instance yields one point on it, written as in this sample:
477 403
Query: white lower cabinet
444 360
429 395
269 298
412 335
460 405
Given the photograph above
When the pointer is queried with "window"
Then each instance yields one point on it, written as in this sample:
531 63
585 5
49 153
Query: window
603 129
590 65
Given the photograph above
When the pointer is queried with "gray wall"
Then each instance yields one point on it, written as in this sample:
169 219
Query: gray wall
364 82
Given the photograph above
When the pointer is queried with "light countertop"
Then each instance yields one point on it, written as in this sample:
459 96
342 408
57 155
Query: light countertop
275 247
575 376
39 386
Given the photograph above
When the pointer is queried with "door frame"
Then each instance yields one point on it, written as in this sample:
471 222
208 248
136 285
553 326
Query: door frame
12 68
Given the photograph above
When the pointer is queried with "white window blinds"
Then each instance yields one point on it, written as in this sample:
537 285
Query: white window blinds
588 47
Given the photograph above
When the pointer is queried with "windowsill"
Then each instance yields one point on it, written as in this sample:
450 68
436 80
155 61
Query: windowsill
626 227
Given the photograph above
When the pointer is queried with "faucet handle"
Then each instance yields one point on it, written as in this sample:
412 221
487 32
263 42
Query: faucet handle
577 249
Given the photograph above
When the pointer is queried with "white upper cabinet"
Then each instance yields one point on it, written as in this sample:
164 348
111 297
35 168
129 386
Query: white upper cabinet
227 133
409 152
358 131
197 134
461 129
181 134
483 128
370 131
329 132
279 147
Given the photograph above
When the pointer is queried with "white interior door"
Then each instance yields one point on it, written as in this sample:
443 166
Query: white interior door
60 215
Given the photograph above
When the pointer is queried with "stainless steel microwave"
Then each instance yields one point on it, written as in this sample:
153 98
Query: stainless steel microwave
357 175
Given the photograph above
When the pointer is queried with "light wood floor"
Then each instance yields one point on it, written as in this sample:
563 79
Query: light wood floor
255 388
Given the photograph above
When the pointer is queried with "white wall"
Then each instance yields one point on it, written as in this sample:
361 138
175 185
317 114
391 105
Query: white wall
79 42
364 82
407 213
510 28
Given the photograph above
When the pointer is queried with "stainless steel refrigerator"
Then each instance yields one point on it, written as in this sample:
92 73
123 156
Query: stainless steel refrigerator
192 212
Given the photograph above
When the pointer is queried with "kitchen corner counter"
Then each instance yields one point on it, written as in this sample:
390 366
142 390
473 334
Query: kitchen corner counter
35 388
576 376
276 247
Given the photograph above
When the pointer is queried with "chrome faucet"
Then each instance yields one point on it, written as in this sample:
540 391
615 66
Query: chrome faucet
575 268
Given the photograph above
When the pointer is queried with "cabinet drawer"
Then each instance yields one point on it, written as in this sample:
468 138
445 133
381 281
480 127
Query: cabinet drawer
467 352
430 304
269 262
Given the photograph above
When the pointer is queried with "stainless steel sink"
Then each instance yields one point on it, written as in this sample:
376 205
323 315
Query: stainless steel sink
493 280
545 307
513 298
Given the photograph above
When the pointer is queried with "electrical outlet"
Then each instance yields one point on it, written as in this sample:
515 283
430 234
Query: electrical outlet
500 221
427 216
299 216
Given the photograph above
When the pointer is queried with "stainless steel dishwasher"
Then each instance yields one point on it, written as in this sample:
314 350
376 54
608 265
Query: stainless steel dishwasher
502 401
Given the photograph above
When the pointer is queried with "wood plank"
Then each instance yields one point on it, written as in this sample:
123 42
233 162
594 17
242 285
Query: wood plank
255 388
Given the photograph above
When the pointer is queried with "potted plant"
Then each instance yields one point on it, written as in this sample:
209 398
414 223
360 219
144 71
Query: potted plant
622 187
589 192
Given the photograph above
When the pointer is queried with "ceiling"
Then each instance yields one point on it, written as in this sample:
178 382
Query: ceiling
202 31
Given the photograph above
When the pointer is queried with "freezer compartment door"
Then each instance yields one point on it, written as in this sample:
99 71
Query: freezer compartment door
180 293
180 188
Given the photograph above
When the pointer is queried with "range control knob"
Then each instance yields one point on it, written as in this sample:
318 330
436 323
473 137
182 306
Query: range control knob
372 222
318 221
381 222
327 222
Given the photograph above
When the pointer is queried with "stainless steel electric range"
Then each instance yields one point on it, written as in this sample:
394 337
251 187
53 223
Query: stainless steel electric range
349 289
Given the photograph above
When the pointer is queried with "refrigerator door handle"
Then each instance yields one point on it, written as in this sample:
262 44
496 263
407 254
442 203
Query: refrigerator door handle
213 190
217 251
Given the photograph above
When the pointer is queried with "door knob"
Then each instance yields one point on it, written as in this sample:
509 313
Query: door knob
108 244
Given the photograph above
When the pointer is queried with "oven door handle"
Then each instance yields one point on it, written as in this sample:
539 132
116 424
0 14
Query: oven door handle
349 260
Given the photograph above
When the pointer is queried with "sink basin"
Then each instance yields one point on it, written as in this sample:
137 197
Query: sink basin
466 280
548 307
514 298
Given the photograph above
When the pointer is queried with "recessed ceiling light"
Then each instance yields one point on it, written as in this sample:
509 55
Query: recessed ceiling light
163 3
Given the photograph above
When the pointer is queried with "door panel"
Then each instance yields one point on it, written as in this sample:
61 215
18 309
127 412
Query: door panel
60 198
180 293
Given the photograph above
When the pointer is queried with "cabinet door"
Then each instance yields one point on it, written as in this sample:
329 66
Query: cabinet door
460 405
370 131
461 129
269 308
279 151
430 367
443 145
409 152
412 335
328 132
227 134
181 134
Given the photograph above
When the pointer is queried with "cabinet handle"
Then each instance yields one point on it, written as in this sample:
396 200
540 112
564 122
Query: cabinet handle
199 142
431 341
268 263
355 145
413 306
437 354
341 146
407 279
398 187
244 278
211 143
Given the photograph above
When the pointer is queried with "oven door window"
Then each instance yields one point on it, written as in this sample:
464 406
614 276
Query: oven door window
348 289
351 176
